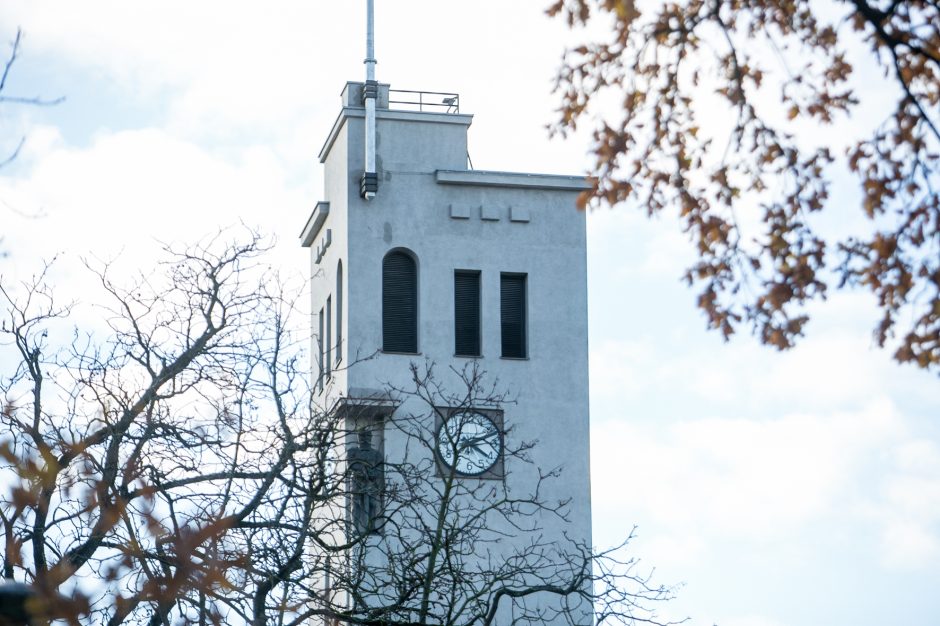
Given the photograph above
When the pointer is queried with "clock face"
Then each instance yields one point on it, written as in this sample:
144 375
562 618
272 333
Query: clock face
469 442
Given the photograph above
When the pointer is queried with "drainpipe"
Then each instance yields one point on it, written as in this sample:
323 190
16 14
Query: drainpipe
370 179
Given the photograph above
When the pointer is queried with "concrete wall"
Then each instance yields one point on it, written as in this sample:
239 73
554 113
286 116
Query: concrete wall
451 218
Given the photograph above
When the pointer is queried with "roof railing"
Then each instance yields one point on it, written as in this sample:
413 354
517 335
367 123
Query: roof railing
431 101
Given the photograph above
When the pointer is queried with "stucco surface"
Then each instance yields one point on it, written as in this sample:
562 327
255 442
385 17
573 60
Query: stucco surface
414 210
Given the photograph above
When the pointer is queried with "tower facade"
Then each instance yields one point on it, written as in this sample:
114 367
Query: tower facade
479 276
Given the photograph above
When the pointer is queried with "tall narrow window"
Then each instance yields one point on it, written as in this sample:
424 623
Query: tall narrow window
339 312
329 335
512 308
321 374
466 313
399 303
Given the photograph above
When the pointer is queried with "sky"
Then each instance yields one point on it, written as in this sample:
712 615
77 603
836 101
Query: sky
793 489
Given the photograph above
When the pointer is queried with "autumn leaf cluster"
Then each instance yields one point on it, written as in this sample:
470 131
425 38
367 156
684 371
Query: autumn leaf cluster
776 70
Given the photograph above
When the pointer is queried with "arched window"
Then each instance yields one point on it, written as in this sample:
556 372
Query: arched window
339 311
399 303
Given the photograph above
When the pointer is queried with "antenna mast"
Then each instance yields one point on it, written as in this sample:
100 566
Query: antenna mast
370 179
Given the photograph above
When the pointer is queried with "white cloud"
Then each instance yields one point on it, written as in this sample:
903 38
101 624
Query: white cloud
131 189
920 455
750 620
656 249
673 551
754 448
224 67
909 506
700 483
232 60
908 545
832 369
751 479
828 370
616 367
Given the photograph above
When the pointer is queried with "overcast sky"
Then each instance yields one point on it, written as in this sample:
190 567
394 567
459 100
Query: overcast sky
797 489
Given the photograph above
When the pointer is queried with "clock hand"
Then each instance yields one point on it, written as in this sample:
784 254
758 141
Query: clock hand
470 444
481 438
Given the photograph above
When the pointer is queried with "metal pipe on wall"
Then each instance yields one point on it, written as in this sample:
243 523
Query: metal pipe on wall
370 177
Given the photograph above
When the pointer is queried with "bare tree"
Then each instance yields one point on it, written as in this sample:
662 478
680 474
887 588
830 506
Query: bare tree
169 460
170 467
451 549
781 69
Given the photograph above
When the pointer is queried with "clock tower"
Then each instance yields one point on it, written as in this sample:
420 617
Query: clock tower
419 261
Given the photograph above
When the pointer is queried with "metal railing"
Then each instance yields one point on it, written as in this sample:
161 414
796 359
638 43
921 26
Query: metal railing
432 101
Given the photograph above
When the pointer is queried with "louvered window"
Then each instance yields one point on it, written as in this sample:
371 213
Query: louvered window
466 313
512 306
399 303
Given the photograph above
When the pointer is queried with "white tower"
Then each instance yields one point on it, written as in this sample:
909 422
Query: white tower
430 262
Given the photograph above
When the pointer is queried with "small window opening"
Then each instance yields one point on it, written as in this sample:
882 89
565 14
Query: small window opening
399 303
512 288
466 313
